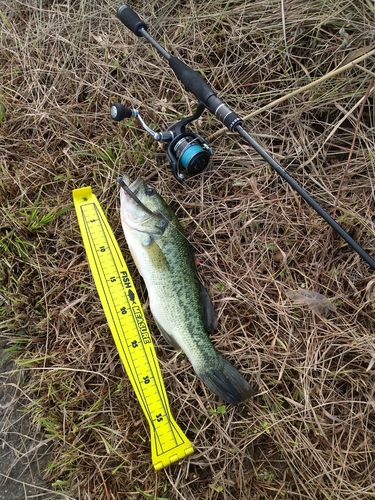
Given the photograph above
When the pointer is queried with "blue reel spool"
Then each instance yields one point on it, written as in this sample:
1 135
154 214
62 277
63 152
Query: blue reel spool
191 152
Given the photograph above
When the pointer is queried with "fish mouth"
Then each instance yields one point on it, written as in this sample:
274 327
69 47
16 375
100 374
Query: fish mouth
132 186
128 198
129 190
129 195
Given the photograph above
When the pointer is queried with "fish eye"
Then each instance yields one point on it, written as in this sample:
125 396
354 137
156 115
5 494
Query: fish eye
150 191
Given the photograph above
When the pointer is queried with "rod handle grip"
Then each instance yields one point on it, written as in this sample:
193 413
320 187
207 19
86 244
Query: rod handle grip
191 80
131 19
204 93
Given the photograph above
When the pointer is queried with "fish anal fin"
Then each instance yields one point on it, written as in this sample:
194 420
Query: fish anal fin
167 336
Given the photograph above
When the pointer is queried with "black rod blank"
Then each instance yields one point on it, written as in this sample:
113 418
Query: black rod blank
313 204
194 83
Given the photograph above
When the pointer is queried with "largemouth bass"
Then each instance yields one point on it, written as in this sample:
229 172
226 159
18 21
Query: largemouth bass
180 305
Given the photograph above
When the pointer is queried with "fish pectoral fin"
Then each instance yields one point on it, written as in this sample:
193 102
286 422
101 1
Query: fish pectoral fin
209 315
156 255
167 336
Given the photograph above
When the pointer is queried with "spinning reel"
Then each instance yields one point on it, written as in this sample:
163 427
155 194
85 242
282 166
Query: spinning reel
187 152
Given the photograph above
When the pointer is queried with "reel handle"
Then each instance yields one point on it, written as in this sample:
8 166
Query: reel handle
119 112
131 19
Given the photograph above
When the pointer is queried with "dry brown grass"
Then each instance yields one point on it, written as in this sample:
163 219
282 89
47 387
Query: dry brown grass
309 433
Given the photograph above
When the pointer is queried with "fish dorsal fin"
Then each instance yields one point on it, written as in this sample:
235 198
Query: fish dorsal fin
209 315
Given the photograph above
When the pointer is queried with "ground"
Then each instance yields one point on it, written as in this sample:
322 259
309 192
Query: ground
296 304
24 452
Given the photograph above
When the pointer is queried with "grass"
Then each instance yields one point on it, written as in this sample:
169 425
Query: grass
302 73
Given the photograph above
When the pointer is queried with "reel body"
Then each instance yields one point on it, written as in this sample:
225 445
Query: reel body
188 153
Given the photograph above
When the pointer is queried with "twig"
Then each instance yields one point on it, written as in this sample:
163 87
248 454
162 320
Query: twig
310 85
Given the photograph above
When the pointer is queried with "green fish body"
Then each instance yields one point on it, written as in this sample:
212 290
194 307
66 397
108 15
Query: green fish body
179 303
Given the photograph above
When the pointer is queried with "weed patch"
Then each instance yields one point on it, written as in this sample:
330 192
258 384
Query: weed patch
309 432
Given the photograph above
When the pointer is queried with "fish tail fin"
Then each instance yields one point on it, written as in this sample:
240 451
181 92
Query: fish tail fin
225 381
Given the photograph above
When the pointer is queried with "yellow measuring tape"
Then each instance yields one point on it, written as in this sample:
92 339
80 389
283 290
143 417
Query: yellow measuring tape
132 337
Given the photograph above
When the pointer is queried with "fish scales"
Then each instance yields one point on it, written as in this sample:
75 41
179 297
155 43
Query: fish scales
179 304
174 291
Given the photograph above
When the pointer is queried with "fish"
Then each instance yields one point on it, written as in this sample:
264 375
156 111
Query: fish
180 305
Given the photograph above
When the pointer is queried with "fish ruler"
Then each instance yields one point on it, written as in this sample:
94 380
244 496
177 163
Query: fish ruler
126 320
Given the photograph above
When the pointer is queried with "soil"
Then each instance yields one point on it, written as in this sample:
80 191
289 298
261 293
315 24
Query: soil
23 454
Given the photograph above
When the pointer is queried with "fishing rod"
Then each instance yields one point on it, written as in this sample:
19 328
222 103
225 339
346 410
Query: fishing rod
193 152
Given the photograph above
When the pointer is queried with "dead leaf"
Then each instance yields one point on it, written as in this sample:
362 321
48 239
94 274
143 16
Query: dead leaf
354 54
314 300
